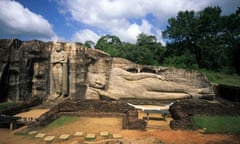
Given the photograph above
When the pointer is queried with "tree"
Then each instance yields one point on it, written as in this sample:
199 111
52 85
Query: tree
231 38
110 44
206 35
146 51
89 44
183 32
144 39
149 51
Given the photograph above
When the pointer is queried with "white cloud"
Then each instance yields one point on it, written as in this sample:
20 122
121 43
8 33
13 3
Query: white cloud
17 21
131 32
228 6
159 36
117 17
99 12
84 35
56 38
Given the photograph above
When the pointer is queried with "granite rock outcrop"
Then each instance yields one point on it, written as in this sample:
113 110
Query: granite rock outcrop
26 71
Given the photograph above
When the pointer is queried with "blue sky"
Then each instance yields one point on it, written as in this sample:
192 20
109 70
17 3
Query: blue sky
81 20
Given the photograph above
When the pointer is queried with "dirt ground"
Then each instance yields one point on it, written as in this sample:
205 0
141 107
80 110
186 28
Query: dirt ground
157 132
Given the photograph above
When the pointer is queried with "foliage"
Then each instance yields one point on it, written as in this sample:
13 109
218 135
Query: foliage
5 105
196 40
186 60
146 51
79 43
218 124
110 44
63 120
213 39
230 80
89 44
150 49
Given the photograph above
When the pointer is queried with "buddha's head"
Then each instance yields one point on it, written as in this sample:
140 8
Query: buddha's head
58 47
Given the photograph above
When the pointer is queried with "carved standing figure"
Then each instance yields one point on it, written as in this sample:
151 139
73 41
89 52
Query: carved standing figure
59 63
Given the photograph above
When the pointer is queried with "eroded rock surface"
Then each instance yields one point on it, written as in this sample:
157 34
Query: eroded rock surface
26 71
170 84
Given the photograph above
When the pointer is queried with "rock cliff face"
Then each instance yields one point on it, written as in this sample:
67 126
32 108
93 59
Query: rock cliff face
23 69
26 70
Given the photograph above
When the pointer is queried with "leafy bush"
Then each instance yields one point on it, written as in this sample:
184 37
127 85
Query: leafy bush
186 60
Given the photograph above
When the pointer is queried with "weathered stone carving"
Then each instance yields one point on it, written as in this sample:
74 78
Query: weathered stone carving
46 69
142 85
17 74
59 64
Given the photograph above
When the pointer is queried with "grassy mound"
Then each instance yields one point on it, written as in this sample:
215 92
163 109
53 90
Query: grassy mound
218 124
224 79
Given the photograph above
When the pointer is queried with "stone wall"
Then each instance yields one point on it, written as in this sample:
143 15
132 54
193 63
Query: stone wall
93 108
231 93
183 111
26 70
21 107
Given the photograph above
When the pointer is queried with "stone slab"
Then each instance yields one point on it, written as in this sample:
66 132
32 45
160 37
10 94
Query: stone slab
49 138
40 135
104 134
90 137
64 137
78 134
32 132
117 136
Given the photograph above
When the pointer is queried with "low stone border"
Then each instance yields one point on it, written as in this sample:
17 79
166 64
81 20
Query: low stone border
20 107
67 137
94 108
183 111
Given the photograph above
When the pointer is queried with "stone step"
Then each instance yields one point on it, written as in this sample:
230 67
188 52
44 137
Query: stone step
40 135
90 137
117 136
49 138
64 136
32 132
78 134
104 134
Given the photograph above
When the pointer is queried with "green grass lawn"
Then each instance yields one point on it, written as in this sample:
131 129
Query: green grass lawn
224 79
218 124
63 120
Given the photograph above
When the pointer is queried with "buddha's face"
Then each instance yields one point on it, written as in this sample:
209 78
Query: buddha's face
58 47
